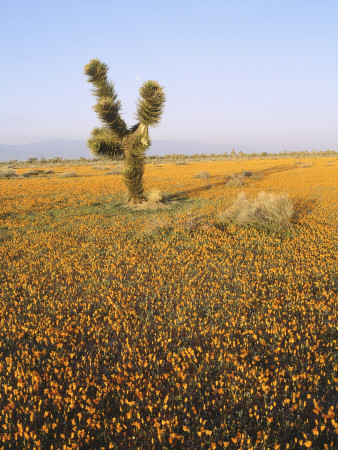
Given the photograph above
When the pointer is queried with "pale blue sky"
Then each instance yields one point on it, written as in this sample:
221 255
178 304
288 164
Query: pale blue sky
245 73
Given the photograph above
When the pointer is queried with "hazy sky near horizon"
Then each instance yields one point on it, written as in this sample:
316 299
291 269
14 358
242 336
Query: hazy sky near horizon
261 74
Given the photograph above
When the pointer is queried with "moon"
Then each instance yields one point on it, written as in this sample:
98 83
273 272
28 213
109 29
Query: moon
137 77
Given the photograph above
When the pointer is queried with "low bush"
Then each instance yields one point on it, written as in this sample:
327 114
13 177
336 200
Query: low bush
266 209
203 175
154 196
68 175
33 172
7 172
115 171
236 179
100 168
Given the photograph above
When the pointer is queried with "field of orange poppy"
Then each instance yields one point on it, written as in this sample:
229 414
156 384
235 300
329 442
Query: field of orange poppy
164 328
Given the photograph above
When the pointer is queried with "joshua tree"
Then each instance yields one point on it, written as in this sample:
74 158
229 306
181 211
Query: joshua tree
114 138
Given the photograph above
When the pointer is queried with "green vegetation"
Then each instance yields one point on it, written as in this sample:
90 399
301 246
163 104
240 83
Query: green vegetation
115 138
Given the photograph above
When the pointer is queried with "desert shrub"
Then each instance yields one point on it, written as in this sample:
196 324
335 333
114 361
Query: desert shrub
29 173
257 176
7 172
68 175
203 175
303 164
115 171
33 172
55 160
154 196
49 171
266 209
100 168
236 179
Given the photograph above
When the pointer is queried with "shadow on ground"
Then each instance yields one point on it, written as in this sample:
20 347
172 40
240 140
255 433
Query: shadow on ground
302 207
183 195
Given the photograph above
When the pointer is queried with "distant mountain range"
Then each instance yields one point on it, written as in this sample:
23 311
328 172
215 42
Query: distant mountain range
67 149
75 149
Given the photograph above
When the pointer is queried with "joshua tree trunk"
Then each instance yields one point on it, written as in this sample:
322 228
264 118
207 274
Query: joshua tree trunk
134 161
114 138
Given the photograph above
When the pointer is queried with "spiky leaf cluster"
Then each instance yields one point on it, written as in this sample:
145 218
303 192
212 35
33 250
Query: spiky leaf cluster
108 106
108 111
150 105
96 70
103 142
97 75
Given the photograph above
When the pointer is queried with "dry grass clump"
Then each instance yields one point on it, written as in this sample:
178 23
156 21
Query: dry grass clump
266 209
203 176
115 171
100 168
257 176
154 196
68 175
7 172
236 179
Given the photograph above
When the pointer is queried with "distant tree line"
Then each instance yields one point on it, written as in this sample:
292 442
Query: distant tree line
176 157
241 155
